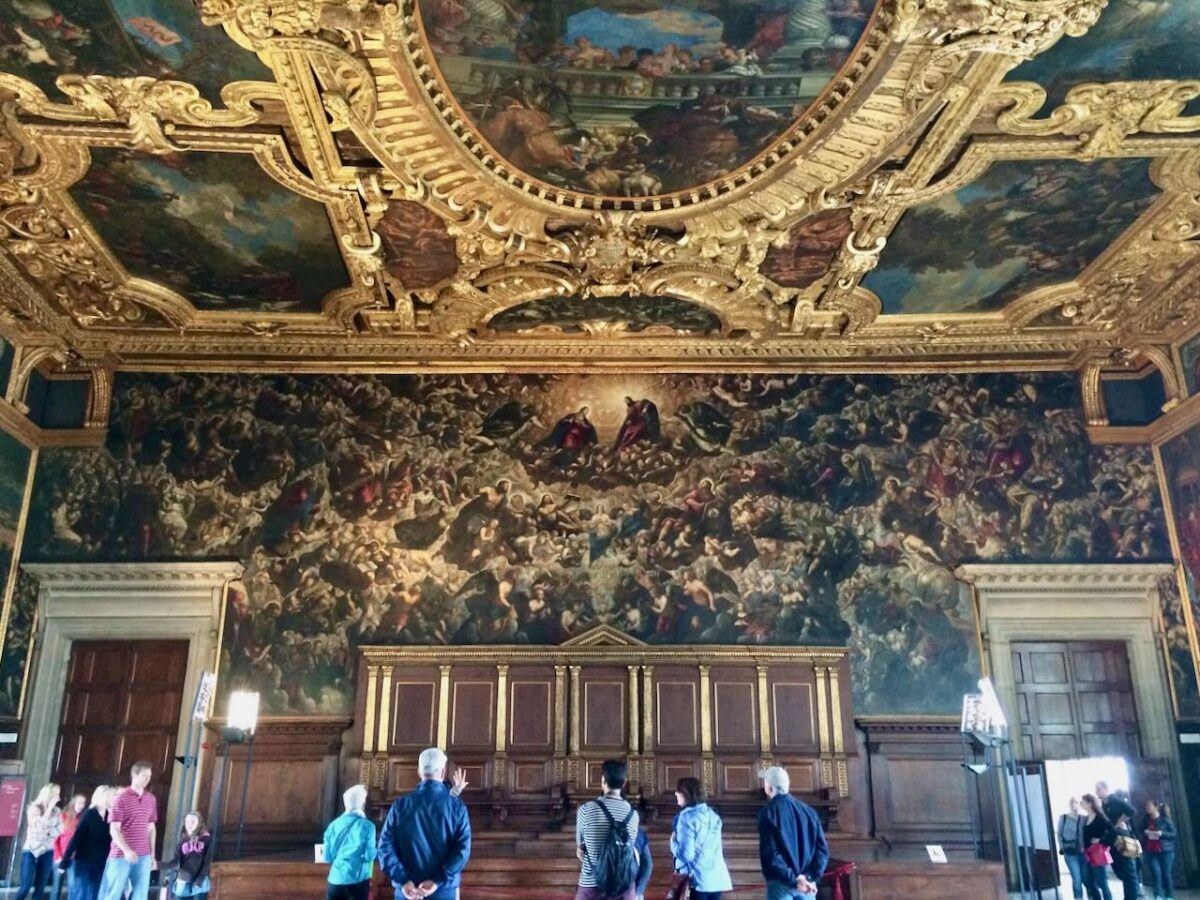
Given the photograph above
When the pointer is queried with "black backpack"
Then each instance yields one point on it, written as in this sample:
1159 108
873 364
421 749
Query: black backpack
616 865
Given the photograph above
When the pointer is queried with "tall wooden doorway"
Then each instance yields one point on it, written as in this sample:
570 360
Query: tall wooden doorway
121 704
1075 699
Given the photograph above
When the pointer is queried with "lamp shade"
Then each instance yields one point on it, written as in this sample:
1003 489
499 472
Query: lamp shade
243 710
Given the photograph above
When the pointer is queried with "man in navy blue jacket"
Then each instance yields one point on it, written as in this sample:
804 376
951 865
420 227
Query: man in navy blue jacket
791 843
426 839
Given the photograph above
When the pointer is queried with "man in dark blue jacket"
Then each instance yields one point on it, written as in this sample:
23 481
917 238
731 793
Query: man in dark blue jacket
426 839
791 843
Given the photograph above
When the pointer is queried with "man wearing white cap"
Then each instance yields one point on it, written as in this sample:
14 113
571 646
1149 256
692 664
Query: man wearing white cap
791 842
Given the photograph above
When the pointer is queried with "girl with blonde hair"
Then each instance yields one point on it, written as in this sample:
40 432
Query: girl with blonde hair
43 822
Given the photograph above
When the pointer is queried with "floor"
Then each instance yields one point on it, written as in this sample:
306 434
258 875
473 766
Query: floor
1115 887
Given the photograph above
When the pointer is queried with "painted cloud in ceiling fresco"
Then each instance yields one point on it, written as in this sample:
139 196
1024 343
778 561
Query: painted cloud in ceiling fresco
1020 226
1134 40
578 314
215 228
637 98
42 39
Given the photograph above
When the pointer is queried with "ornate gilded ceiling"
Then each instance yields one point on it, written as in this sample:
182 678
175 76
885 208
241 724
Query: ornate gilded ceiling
521 184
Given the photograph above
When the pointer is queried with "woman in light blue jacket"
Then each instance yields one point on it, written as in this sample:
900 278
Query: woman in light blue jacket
696 842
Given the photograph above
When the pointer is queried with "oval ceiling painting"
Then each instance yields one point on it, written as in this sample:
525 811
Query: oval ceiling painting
632 98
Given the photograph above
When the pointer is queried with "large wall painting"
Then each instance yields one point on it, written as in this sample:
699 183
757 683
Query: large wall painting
1134 40
1019 226
15 473
484 509
214 227
1185 683
42 39
18 643
1180 458
624 98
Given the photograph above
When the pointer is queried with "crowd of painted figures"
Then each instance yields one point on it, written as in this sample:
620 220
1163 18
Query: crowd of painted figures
733 509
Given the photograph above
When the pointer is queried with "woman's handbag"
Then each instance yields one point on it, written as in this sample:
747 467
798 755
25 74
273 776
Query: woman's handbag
1097 855
681 887
1129 847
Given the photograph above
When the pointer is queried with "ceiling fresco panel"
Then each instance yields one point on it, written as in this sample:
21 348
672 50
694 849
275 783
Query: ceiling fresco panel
1020 226
634 98
809 250
1134 40
42 39
592 314
215 228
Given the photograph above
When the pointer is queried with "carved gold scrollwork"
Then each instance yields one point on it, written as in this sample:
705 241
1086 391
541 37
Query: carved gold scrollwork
1020 28
1101 115
148 106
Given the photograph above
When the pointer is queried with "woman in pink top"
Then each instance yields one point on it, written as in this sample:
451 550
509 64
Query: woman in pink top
70 818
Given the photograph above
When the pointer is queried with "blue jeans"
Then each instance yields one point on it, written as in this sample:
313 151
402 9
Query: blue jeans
1159 866
1126 870
118 873
1097 882
777 890
1075 865
61 875
84 883
35 874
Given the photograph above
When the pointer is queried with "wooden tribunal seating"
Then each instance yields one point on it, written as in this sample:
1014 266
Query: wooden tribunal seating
530 726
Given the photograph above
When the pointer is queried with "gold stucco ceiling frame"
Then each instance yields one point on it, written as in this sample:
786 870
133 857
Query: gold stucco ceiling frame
43 229
924 90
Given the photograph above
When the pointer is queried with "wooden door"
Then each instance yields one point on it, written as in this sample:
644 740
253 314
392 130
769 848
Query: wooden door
121 705
1075 700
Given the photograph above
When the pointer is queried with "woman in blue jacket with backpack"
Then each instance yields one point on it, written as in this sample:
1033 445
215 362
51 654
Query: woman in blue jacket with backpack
696 842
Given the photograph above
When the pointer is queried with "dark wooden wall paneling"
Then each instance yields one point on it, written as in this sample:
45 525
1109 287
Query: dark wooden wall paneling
920 792
293 788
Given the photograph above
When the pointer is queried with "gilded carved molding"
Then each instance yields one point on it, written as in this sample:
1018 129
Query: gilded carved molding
1100 116
919 110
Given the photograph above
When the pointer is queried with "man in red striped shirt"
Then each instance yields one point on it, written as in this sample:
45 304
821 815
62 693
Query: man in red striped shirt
132 819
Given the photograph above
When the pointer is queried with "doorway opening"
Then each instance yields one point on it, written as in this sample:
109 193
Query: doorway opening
1067 778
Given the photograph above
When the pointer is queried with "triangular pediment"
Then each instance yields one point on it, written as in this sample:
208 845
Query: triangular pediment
603 636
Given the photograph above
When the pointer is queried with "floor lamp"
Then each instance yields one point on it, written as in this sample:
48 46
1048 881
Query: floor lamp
240 725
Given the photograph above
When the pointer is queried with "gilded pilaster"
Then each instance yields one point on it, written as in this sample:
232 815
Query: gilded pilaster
385 712
443 720
501 708
647 709
634 716
576 709
764 713
823 708
369 716
560 709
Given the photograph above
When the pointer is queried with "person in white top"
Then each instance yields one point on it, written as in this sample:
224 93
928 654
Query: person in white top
43 823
